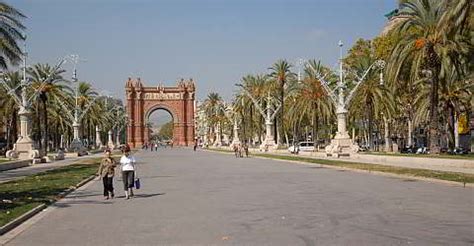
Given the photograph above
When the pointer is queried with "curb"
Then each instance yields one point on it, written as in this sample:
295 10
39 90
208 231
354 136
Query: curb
18 221
432 180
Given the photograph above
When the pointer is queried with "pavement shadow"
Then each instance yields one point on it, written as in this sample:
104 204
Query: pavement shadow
148 195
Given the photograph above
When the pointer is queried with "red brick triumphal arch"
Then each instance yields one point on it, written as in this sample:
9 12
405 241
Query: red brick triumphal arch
142 101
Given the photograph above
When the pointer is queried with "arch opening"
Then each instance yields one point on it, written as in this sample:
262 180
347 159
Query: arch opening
160 124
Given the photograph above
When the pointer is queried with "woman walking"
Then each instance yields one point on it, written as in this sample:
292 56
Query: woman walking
128 172
107 172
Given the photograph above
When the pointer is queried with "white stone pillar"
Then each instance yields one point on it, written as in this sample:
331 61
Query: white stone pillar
117 138
98 141
110 142
235 139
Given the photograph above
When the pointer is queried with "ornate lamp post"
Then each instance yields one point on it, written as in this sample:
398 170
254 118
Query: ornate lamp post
269 113
342 143
233 117
25 148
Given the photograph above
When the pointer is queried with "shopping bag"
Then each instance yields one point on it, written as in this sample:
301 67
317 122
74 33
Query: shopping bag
137 183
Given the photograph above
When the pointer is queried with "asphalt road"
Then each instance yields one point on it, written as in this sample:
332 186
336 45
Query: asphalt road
205 198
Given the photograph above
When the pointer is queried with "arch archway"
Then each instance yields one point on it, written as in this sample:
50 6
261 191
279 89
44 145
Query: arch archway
143 101
156 118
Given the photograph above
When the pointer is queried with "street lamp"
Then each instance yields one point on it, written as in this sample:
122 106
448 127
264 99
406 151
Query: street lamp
268 114
342 143
25 148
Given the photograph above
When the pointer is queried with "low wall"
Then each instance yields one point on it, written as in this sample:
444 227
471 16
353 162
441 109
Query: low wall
14 164
441 164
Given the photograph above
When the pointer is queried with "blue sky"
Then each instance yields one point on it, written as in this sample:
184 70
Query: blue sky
216 42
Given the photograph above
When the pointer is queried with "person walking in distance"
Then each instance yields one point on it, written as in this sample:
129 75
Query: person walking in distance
107 172
128 166
195 144
246 149
156 147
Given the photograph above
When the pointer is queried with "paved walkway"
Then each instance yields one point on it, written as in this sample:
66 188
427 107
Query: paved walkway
206 198
38 168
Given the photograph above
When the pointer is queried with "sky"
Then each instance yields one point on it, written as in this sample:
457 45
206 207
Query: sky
215 42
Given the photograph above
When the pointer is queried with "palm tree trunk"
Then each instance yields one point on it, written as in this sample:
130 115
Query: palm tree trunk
434 66
38 120
314 123
14 136
45 136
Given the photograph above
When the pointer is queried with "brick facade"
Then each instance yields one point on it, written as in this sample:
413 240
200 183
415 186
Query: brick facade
142 101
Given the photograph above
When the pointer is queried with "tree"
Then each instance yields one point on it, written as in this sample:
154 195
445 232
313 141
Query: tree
10 34
281 73
48 85
430 36
9 105
166 131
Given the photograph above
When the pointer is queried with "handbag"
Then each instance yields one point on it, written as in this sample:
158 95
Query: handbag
137 183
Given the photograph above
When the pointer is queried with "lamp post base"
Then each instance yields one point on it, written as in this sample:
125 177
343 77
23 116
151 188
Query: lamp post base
341 147
76 146
23 150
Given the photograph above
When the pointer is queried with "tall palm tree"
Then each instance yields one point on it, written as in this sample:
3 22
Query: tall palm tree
311 99
430 34
281 73
48 84
213 110
10 33
9 105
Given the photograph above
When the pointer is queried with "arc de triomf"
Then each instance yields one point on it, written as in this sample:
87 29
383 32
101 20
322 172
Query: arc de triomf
143 101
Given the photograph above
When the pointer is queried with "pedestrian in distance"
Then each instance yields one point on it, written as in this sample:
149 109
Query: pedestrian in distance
156 147
246 149
129 168
195 144
106 173
236 149
151 147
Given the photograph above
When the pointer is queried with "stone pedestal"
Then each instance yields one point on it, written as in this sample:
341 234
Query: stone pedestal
110 142
342 144
76 144
235 139
24 148
269 142
117 139
98 142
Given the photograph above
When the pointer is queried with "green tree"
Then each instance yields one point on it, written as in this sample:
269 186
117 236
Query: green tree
48 85
281 73
10 29
166 131
429 36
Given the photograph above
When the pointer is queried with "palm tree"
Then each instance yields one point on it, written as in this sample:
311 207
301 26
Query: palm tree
430 35
10 107
281 73
213 110
48 84
10 29
310 99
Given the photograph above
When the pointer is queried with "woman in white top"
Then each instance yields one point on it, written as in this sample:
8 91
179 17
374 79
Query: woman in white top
128 167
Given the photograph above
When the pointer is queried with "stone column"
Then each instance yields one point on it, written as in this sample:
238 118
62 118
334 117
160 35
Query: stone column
117 138
76 145
24 147
235 139
98 142
110 142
